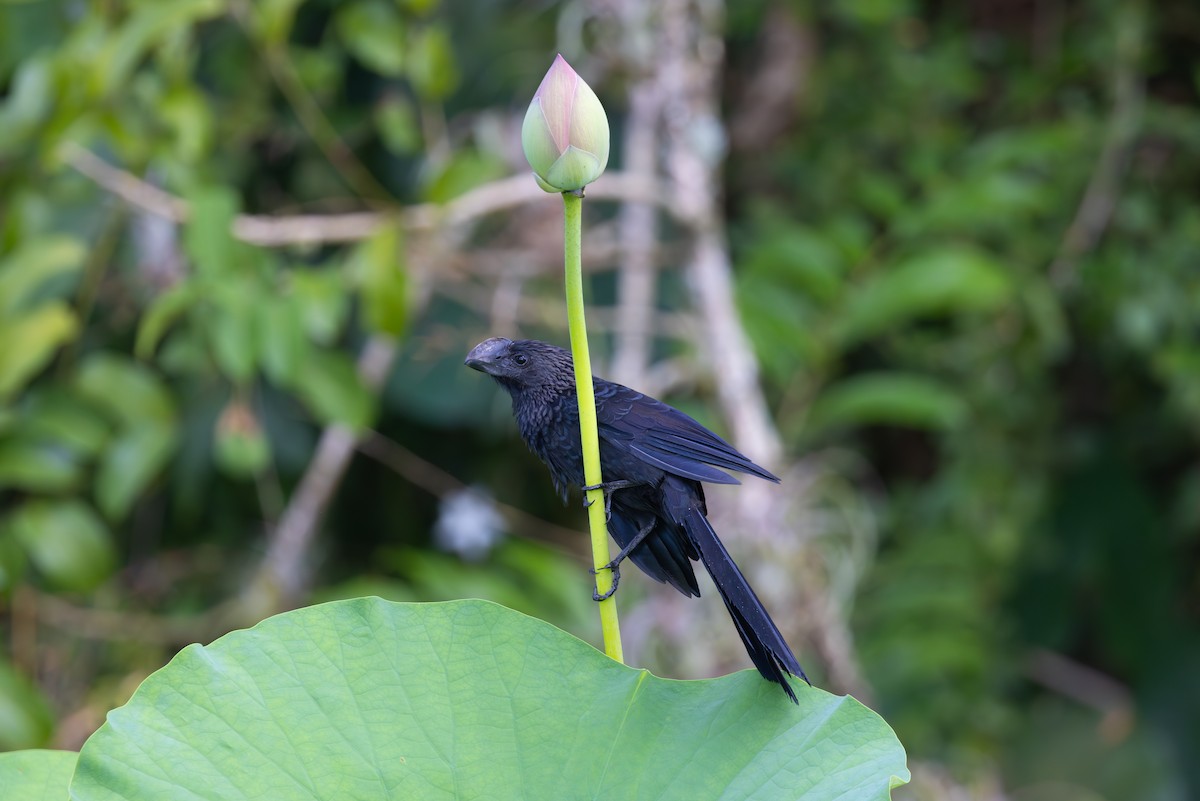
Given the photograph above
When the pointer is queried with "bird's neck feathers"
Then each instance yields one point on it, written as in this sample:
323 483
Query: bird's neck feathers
534 404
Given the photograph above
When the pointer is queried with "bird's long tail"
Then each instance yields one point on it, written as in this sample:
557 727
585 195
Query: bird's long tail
766 646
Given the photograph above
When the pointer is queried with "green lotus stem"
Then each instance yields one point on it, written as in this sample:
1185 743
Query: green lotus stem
573 260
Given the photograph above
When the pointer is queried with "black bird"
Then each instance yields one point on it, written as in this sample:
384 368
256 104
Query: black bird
653 458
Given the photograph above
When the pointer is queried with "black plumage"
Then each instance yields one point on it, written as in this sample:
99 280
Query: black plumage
657 457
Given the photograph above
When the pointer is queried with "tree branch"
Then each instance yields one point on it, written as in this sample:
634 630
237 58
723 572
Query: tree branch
1100 196
285 572
691 56
438 482
316 229
133 190
637 221
311 116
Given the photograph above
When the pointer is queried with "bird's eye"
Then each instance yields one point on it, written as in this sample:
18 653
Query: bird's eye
520 359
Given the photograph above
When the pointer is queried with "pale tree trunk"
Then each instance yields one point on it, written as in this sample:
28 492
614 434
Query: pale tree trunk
677 132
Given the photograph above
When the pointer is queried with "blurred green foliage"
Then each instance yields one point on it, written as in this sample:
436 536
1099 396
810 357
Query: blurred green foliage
965 248
910 278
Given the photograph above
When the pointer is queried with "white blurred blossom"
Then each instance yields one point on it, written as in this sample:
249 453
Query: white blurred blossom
468 524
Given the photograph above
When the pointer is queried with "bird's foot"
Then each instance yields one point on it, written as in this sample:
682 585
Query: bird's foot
616 579
615 565
587 504
607 487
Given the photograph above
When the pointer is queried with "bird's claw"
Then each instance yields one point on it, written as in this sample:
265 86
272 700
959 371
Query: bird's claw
607 487
616 579
587 503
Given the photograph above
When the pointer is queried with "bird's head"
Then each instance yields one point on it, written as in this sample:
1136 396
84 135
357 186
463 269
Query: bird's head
523 363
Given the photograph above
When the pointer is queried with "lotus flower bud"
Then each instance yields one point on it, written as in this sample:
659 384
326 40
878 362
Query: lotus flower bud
565 133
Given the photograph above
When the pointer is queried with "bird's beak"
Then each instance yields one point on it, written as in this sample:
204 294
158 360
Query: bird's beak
484 357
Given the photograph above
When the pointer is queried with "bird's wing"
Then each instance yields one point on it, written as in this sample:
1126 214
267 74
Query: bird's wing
666 437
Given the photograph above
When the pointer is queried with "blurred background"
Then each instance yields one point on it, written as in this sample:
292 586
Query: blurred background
936 264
